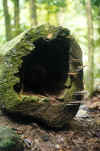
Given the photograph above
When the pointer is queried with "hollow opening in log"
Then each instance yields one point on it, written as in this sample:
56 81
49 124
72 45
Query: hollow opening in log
45 68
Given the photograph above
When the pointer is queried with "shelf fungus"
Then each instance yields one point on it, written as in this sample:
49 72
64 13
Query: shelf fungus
36 77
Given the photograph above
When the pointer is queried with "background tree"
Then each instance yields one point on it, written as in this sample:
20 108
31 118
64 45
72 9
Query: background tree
8 33
33 12
16 17
52 8
90 48
96 18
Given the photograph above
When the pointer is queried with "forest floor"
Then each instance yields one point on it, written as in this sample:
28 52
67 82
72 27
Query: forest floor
83 134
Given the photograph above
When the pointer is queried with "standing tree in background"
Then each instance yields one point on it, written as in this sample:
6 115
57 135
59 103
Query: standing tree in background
90 48
47 7
52 8
33 12
7 19
16 17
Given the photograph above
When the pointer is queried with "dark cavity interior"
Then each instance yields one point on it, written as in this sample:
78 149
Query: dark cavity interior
45 68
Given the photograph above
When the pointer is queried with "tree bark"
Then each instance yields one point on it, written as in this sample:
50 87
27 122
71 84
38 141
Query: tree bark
7 20
33 12
90 48
17 17
47 14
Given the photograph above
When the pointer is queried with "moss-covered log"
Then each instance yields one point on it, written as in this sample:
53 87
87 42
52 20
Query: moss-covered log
42 67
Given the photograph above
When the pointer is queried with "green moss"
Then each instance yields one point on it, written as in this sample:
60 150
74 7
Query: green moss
14 50
33 98
8 139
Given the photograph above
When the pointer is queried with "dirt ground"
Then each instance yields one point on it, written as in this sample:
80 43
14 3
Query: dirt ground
80 135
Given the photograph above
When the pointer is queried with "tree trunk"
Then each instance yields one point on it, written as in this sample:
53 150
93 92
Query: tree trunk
7 20
47 14
16 17
57 18
90 48
33 12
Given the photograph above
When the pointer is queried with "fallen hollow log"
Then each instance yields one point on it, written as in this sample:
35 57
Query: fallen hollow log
41 73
